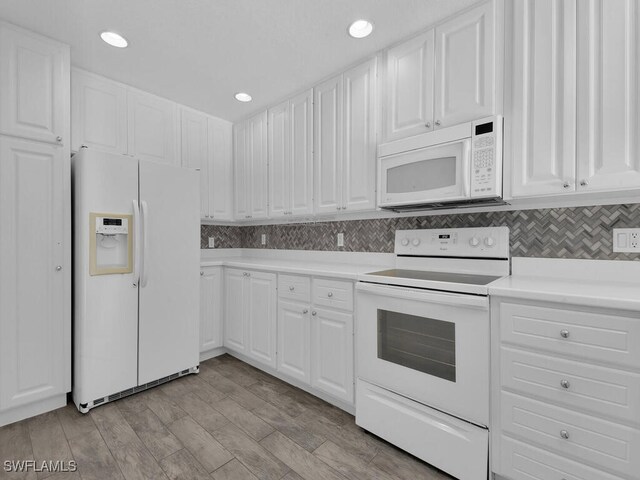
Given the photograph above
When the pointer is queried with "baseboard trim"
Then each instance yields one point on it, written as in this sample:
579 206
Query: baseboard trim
32 409
215 352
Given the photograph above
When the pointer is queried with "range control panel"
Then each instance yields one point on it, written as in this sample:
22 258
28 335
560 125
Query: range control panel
484 242
486 157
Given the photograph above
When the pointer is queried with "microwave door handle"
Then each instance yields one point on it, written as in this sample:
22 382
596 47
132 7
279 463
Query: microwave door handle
466 167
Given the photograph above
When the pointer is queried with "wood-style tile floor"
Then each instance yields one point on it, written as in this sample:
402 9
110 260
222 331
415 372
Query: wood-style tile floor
231 421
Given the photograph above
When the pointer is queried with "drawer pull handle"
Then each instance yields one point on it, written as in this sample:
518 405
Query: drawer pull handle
565 383
564 434
564 333
330 294
292 288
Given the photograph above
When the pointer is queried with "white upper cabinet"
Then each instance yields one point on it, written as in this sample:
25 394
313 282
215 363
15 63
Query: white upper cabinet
409 88
279 160
327 136
466 59
257 150
540 140
359 144
34 98
220 169
195 151
153 128
608 95
98 113
241 171
290 144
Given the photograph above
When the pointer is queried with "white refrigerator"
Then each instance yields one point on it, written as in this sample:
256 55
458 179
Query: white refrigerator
136 275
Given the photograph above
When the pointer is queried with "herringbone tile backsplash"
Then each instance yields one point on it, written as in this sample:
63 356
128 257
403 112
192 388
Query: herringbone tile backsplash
579 232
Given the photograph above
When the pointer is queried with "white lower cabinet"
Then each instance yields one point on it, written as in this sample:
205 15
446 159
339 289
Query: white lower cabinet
565 385
210 308
294 340
250 314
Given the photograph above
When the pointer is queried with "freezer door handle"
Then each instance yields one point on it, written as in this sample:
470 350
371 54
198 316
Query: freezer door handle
136 242
144 269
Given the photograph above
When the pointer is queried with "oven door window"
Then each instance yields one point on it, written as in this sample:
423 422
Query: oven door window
419 343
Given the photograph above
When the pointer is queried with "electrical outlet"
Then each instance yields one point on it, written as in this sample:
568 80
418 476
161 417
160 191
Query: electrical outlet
212 242
626 240
341 239
263 239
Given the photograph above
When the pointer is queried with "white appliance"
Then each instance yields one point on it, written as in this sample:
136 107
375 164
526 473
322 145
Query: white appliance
454 166
136 275
423 346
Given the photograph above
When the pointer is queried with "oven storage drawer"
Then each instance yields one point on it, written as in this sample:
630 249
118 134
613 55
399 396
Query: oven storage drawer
429 434
575 384
596 337
520 461
294 287
585 438
333 294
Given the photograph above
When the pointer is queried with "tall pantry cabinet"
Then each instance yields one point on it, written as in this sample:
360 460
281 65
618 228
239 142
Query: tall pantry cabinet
35 238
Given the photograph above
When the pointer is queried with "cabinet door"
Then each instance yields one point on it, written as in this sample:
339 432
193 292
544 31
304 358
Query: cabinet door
220 169
332 353
193 128
294 355
241 171
210 308
261 316
234 310
279 167
34 74
608 95
466 59
409 88
98 113
328 146
258 179
359 152
35 331
301 154
153 128
543 129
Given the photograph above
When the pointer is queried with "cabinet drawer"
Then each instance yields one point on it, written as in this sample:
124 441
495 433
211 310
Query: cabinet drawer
594 336
333 293
294 287
603 391
520 461
599 442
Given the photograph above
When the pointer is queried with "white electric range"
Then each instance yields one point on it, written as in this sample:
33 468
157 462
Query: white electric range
422 335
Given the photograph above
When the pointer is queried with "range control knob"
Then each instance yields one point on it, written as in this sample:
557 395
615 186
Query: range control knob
489 241
474 241
416 242
405 242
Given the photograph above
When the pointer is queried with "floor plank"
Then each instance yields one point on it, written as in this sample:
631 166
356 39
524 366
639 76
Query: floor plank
234 470
290 427
238 394
183 466
206 449
208 417
403 466
15 445
153 433
252 425
48 441
93 457
351 466
75 423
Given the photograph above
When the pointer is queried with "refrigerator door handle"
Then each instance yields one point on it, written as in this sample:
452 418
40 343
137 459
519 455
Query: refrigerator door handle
137 231
144 270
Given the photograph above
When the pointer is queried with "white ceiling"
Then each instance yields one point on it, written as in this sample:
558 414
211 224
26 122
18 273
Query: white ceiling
200 52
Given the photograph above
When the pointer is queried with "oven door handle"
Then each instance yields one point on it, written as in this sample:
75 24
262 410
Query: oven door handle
431 296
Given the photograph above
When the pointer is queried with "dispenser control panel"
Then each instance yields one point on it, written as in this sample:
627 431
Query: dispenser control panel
112 226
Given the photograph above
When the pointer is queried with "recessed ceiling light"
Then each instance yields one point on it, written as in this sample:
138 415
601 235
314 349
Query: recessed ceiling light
243 97
114 39
360 29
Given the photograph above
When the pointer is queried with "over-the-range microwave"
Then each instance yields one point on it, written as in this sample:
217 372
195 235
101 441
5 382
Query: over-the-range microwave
452 167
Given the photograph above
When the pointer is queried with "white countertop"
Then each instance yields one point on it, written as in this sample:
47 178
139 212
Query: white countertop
594 283
328 264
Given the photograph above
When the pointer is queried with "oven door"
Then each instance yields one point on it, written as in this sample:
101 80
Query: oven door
440 173
429 346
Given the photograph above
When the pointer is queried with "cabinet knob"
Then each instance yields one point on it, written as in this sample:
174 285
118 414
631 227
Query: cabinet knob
330 294
58 268
564 333
565 383
306 310
566 185
201 274
584 183
292 288
58 138
344 208
428 124
437 123
564 434
337 208
314 313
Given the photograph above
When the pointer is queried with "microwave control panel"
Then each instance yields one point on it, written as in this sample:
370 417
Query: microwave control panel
486 157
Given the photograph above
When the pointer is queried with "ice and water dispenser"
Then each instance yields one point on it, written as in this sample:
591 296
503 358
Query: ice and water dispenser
111 243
